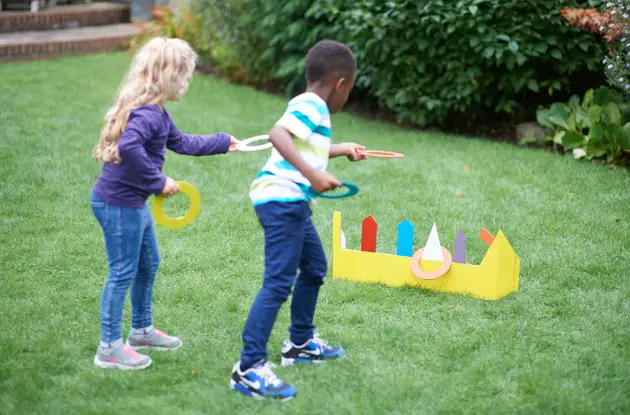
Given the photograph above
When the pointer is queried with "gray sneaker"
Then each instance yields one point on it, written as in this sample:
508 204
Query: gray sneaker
121 357
155 339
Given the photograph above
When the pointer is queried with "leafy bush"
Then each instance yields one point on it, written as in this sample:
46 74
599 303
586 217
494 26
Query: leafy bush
428 59
272 38
598 127
424 60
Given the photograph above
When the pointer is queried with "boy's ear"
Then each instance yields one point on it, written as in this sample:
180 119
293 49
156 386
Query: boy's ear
340 83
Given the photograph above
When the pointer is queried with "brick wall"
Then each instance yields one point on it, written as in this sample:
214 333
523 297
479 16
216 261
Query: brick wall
61 19
36 51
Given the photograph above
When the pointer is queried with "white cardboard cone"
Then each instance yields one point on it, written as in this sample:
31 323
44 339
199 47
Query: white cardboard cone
433 248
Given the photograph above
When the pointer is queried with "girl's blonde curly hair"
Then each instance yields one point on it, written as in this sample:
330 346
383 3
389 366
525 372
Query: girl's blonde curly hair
160 72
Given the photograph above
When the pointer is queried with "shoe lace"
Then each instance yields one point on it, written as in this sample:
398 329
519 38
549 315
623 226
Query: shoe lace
265 371
319 341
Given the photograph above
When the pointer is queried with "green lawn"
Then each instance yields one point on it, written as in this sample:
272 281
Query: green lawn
559 345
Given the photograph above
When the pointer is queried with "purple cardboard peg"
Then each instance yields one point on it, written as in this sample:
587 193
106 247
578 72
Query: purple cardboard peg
459 248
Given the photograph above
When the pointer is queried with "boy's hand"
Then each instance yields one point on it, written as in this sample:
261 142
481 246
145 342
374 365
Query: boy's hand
349 150
353 154
233 144
322 181
170 187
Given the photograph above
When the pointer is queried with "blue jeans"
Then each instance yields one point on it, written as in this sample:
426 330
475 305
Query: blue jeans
291 241
133 259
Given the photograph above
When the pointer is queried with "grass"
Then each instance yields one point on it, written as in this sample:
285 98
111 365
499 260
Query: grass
561 344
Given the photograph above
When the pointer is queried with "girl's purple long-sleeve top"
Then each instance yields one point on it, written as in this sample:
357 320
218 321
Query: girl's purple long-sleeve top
142 145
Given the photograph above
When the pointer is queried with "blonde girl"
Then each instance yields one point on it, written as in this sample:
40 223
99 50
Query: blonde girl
134 139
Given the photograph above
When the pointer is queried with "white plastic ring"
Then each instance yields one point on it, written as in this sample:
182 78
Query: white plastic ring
244 145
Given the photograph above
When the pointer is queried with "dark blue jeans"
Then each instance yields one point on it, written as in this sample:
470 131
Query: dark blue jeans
133 259
291 242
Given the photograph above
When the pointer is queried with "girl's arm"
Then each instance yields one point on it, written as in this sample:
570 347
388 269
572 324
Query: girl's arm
133 154
198 145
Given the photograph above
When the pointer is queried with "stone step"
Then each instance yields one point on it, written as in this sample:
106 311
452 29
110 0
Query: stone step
64 17
81 40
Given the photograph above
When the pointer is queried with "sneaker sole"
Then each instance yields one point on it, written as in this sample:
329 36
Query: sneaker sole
113 365
158 348
235 387
290 362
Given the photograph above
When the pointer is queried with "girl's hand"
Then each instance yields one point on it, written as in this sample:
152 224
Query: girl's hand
170 187
233 143
352 153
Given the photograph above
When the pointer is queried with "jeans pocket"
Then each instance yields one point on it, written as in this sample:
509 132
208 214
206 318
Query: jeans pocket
99 208
96 202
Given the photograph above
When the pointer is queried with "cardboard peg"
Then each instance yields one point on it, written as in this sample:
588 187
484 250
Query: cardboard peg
459 247
486 236
404 245
368 234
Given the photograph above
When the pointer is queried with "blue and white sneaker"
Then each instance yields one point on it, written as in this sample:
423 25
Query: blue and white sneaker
260 382
316 350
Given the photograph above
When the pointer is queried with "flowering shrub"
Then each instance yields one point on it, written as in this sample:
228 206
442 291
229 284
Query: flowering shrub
184 25
613 25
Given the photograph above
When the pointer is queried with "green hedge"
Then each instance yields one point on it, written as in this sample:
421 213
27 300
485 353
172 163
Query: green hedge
425 60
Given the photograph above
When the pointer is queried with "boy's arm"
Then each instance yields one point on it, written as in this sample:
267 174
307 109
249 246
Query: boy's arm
282 141
347 149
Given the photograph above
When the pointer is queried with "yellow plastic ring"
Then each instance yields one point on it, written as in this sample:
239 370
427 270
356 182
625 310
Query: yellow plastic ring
181 221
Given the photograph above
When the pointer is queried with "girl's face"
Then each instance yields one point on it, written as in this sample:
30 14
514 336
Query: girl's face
180 90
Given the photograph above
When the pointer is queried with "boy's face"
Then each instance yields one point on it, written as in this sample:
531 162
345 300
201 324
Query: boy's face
339 96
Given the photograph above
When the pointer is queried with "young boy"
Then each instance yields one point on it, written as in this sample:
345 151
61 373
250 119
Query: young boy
280 194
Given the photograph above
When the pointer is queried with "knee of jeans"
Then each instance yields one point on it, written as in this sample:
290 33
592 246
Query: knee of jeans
279 291
155 264
316 271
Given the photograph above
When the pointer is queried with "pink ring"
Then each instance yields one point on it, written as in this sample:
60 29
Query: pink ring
423 275
381 154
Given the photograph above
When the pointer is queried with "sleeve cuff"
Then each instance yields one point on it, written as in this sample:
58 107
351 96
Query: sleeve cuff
157 186
225 140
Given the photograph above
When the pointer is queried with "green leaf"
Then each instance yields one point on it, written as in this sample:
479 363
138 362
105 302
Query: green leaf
556 54
473 9
542 116
571 122
527 140
558 137
559 115
595 148
503 37
588 99
533 85
594 115
572 139
513 46
611 114
581 118
624 141
521 59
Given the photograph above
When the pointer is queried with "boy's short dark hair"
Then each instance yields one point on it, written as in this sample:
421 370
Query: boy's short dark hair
328 59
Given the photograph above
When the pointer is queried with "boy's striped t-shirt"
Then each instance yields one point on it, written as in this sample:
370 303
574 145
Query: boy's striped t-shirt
307 118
